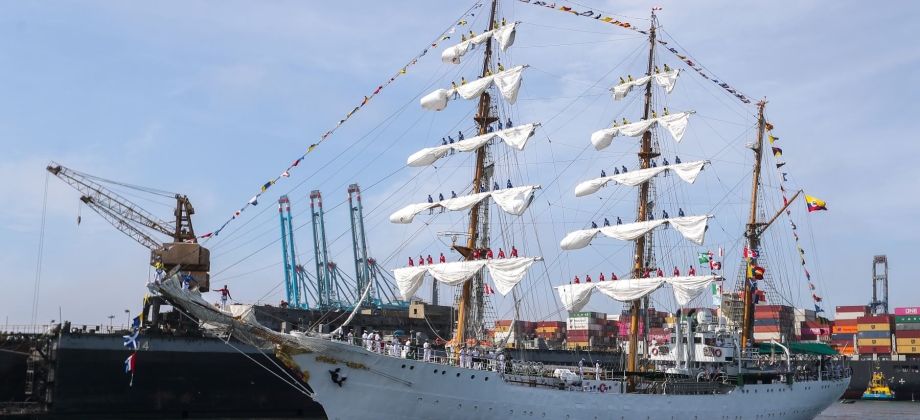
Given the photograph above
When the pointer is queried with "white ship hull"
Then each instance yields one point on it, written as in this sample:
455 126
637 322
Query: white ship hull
384 387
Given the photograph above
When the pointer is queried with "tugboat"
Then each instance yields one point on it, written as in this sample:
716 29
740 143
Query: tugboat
878 387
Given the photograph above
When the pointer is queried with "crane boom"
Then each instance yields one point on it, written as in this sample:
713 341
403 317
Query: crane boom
138 223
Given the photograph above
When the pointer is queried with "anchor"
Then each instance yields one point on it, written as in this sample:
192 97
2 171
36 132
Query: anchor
335 377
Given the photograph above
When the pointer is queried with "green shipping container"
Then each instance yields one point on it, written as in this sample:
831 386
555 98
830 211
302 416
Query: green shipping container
907 319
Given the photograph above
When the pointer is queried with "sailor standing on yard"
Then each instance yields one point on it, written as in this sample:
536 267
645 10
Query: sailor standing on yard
224 294
427 348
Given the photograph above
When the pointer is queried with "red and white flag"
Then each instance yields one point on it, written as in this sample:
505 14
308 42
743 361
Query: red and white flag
721 252
750 253
715 265
488 290
285 174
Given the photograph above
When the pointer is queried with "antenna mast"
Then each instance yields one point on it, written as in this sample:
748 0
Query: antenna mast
646 154
483 119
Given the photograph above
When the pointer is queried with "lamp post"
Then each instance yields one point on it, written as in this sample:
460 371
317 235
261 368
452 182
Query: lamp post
111 317
129 317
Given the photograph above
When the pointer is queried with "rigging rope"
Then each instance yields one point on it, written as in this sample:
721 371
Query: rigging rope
41 252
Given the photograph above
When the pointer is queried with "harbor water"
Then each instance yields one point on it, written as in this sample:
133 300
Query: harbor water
872 410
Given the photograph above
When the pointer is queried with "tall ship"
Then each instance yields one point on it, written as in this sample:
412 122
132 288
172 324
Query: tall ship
704 367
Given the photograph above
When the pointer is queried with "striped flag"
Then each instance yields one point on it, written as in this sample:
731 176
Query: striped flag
129 363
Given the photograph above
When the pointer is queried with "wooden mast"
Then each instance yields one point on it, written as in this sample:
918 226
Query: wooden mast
646 154
483 119
753 232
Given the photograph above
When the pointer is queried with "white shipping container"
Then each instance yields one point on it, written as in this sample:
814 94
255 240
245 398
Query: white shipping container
767 336
848 315
614 317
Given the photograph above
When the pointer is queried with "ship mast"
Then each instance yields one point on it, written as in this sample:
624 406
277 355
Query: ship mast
753 229
483 119
646 154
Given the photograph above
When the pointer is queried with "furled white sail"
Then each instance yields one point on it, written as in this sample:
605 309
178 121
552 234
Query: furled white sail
508 83
667 80
516 137
693 228
505 273
504 35
629 290
687 171
513 201
574 297
675 123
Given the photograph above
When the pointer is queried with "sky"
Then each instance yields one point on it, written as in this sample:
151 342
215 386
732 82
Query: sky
212 100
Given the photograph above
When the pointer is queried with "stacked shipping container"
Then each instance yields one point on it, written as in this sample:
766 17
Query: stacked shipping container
907 331
773 322
873 334
589 329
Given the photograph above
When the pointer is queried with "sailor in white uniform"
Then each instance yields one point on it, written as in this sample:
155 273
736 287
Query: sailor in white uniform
501 362
463 356
597 370
396 350
477 361
365 341
376 342
351 337
427 348
581 368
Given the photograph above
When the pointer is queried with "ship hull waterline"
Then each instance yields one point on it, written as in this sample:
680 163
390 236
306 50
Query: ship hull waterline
395 388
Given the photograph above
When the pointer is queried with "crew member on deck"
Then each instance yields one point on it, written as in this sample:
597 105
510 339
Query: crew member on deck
499 125
664 214
587 278
421 261
501 253
619 222
593 225
501 67
442 258
453 194
616 171
680 212
508 185
577 280
430 260
676 159
692 271
224 294
459 135
430 201
624 169
489 254
613 276
411 263
606 222
601 276
603 174
476 254
441 198
508 123
482 188
514 253
495 187
427 351
676 271
660 273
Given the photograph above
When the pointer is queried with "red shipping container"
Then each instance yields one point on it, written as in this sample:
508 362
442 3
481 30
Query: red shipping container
842 309
766 328
808 337
907 334
814 324
877 319
845 323
875 350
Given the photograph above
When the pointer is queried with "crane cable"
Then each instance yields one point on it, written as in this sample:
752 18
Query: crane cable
41 248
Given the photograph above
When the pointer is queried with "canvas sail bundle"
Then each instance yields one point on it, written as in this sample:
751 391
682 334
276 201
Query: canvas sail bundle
504 35
513 201
687 171
508 83
675 123
667 80
574 297
516 137
693 228
505 272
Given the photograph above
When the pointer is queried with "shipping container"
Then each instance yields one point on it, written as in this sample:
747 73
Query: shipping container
816 331
874 319
874 349
873 327
864 309
905 349
902 319
848 316
907 334
911 326
558 324
873 334
766 328
914 310
844 329
846 350
808 337
908 341
873 342
845 322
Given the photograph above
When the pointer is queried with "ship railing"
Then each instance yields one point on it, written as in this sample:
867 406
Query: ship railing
9 330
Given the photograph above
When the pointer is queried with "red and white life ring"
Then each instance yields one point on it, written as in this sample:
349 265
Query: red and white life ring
654 351
602 387
717 352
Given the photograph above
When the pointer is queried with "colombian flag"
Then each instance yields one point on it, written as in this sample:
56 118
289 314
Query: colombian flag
815 204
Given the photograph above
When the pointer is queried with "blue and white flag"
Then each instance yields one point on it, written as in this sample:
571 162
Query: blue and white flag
131 340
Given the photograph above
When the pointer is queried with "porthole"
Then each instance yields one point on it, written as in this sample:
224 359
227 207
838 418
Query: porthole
403 366
475 407
459 406
487 378
436 402
458 374
435 371
472 376
419 400
443 372
411 367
